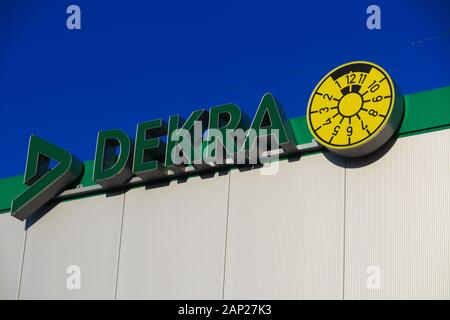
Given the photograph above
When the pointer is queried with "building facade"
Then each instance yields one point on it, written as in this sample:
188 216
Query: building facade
323 227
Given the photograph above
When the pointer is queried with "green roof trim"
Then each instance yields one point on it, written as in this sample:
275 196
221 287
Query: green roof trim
424 112
9 189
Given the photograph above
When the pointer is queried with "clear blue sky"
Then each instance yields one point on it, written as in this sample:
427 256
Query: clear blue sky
138 60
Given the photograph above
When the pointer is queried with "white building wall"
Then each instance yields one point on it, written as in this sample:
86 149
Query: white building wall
84 233
310 232
398 218
285 232
12 239
173 241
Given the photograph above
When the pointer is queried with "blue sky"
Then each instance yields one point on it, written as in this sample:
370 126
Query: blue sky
138 60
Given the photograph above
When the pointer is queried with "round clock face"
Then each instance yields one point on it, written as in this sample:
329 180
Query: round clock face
351 106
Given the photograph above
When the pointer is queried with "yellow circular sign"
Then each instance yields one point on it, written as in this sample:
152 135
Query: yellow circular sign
354 109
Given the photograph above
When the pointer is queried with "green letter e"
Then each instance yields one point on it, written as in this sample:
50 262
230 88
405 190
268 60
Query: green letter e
111 169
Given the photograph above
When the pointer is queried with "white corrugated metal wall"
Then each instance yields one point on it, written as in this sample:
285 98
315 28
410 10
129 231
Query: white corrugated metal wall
309 231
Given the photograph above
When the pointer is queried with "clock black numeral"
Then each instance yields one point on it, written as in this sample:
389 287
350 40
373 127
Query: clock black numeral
373 112
351 78
336 130
377 99
349 131
362 78
364 126
374 86
326 95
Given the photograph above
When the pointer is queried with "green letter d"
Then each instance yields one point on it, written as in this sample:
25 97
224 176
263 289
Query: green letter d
45 182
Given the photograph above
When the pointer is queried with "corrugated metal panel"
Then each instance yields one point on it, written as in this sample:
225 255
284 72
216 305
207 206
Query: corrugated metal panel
285 232
12 238
84 233
173 242
398 218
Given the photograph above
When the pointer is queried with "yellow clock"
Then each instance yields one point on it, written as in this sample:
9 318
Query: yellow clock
354 109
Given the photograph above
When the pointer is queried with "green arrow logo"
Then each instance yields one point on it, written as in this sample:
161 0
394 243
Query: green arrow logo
45 182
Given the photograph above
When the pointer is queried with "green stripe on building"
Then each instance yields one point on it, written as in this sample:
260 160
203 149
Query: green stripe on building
424 112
